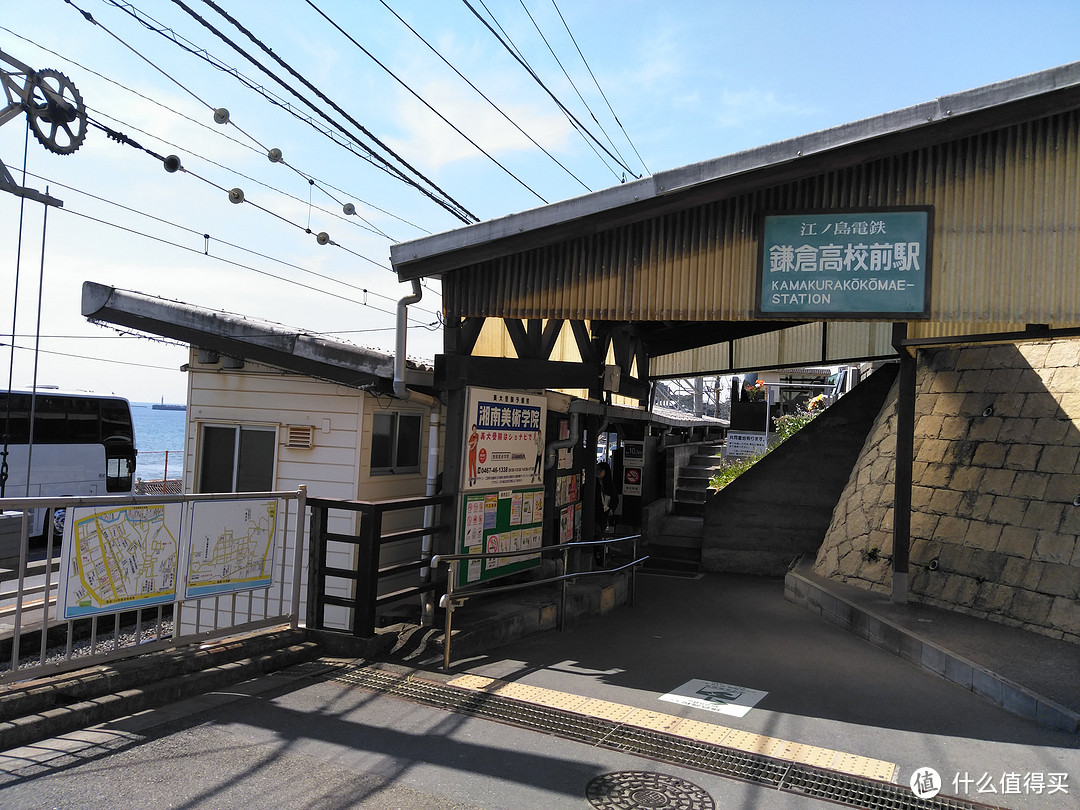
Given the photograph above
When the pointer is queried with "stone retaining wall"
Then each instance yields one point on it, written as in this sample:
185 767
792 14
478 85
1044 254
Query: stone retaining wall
996 471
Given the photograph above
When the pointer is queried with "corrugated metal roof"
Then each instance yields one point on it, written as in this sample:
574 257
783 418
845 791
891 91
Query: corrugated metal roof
937 121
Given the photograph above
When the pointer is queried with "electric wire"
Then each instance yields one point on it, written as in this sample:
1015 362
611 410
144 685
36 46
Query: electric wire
566 73
598 87
367 226
190 47
13 345
570 116
321 184
423 101
231 262
123 139
445 201
484 97
207 238
90 18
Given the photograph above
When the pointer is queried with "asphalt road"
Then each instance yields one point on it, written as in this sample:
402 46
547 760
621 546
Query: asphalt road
289 740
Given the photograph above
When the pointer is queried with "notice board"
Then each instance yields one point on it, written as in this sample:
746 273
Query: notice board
505 520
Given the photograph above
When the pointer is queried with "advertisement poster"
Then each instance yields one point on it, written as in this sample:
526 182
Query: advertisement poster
504 440
505 521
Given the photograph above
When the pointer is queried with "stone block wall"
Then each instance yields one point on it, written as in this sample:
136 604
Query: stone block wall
994 528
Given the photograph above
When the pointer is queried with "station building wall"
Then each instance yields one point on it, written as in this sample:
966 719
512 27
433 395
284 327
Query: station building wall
996 483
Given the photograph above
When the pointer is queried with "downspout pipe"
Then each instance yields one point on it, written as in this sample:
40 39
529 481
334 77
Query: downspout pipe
402 392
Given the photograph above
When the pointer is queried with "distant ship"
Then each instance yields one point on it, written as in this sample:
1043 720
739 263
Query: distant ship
162 406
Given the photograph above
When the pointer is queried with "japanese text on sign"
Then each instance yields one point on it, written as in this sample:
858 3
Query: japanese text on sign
845 264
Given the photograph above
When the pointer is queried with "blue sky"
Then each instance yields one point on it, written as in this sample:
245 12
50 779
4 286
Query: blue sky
688 80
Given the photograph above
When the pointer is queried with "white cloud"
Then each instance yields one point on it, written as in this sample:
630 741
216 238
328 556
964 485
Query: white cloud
433 143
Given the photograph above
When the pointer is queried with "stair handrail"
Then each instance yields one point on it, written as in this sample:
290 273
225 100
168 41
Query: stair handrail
453 598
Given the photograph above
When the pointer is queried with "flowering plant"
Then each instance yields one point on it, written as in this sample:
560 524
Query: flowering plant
755 392
817 403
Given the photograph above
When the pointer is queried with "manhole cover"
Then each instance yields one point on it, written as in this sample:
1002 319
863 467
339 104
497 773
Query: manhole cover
636 790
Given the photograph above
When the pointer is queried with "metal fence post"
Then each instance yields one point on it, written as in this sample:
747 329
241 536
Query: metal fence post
451 580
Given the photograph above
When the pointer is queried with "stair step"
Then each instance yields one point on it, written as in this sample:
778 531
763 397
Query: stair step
688 509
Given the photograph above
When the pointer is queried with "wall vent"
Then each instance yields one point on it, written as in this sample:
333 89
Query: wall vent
299 436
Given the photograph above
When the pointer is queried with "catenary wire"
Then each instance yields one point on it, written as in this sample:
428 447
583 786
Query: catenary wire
598 87
123 139
570 116
423 101
484 97
207 238
90 18
367 226
230 262
322 184
566 73
86 357
447 202
190 47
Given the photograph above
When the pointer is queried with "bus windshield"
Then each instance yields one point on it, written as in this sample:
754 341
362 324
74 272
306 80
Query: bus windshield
80 442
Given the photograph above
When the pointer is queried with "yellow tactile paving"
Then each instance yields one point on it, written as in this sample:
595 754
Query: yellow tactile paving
654 721
754 743
703 732
710 733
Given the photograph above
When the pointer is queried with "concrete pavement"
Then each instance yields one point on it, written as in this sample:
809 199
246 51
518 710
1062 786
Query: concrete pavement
298 738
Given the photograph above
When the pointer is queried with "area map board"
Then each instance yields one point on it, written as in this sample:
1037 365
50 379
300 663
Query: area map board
130 557
855 264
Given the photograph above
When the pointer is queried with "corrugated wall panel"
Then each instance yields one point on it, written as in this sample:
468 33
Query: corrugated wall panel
1006 243
799 345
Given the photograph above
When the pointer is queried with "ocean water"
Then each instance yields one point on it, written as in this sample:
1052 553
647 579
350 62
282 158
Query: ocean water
159 437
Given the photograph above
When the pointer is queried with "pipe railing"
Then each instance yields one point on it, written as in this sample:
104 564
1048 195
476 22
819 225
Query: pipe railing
454 598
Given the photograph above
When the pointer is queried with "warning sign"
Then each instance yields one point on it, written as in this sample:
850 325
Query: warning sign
631 481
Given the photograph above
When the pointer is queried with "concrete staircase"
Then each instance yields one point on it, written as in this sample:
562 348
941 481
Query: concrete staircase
677 547
694 480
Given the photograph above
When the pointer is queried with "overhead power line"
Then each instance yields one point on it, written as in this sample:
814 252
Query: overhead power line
479 92
153 25
433 191
566 73
598 87
419 98
570 116
222 259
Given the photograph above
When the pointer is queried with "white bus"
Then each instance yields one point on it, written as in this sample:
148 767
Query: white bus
82 444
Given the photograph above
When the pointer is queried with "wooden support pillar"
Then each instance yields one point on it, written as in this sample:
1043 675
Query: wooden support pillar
905 451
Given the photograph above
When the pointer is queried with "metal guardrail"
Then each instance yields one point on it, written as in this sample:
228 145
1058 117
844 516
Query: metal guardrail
28 591
367 572
455 598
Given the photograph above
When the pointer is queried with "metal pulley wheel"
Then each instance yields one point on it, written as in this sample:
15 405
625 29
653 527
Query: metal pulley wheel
56 112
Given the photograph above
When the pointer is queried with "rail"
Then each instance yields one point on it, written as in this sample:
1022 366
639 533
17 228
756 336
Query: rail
455 598
30 620
367 570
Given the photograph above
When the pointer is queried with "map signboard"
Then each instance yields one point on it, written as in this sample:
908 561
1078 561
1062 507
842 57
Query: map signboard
129 557
504 440
231 546
493 522
119 558
839 264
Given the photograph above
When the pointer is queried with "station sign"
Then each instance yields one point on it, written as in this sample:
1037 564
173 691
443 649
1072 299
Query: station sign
846 264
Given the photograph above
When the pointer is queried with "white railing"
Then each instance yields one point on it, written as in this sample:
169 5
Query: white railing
35 638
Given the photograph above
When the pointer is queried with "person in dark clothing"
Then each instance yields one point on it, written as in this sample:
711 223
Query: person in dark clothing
607 499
